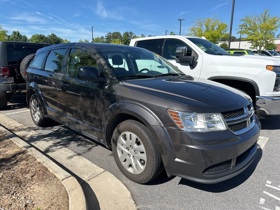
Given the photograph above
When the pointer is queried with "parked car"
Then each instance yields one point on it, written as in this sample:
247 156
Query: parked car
11 77
240 52
255 75
148 112
271 53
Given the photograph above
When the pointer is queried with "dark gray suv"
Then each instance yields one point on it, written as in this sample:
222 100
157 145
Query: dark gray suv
11 78
148 112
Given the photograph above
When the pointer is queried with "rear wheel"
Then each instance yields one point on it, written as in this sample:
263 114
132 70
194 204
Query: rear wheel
135 152
36 111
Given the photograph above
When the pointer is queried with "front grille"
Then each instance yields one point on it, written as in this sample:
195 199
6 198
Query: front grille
277 84
241 120
233 114
218 168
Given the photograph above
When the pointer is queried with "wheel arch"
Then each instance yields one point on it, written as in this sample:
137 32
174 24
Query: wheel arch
248 86
33 89
131 110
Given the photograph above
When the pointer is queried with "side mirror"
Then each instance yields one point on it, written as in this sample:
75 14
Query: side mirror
183 55
89 73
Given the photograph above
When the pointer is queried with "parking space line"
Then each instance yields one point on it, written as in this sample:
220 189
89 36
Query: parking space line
12 113
262 141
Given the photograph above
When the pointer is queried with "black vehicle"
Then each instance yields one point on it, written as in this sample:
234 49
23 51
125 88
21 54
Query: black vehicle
148 112
11 77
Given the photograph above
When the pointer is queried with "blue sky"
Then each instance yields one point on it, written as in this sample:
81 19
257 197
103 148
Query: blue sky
73 20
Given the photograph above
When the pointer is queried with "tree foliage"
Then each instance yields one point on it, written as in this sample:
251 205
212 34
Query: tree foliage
260 29
3 34
210 28
16 36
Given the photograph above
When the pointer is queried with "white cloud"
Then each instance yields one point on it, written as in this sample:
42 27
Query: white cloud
28 17
220 5
101 11
104 13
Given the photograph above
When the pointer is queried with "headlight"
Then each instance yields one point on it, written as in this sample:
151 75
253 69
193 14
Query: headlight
273 68
196 122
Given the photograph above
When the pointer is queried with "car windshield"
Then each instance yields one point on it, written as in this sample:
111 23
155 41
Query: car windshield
208 47
132 62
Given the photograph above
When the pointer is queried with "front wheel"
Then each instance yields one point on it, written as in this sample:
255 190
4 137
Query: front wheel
135 152
36 112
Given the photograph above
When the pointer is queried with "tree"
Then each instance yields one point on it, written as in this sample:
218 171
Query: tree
39 38
16 36
3 34
54 39
260 29
100 39
127 36
210 28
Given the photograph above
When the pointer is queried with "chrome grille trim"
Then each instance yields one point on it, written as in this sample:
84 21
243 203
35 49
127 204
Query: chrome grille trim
242 122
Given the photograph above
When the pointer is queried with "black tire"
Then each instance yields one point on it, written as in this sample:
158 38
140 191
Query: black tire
141 161
3 101
36 112
24 65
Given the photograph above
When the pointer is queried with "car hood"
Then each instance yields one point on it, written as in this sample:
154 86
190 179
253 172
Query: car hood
195 94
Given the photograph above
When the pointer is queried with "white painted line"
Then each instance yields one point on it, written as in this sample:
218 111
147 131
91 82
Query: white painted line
12 113
272 196
268 182
276 188
264 208
262 201
262 141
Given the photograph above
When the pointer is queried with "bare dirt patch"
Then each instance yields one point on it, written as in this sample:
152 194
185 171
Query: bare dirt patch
25 183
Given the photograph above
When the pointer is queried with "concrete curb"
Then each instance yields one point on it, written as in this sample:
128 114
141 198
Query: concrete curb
74 190
106 191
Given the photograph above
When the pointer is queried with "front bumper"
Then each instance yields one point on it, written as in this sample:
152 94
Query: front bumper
211 157
268 105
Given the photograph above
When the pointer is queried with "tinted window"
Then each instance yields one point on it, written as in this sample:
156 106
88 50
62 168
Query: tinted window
38 61
154 45
79 58
16 52
54 60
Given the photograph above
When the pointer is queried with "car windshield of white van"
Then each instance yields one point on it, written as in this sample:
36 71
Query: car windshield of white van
208 47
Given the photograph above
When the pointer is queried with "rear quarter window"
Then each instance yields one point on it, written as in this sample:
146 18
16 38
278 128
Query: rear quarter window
38 61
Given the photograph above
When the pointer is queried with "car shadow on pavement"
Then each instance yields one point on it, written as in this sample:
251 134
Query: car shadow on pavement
228 184
17 101
271 123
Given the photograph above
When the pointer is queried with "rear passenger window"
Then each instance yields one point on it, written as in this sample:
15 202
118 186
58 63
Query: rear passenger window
54 60
154 45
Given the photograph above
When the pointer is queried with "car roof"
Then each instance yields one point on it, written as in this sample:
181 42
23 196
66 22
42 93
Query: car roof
84 45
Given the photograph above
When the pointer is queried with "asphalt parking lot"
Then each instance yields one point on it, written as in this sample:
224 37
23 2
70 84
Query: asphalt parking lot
256 188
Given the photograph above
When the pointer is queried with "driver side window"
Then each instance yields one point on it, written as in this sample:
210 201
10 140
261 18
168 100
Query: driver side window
170 46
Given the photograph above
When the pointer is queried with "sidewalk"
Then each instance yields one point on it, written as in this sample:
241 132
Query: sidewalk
88 186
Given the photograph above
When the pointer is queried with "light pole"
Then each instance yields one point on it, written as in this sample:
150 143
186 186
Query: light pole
231 22
91 33
240 38
180 19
